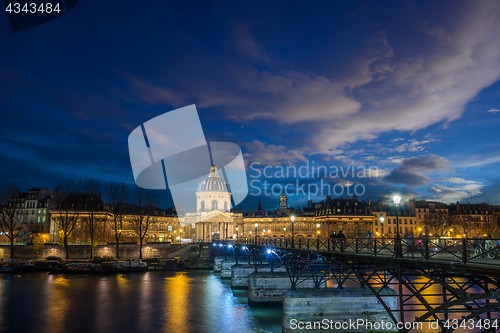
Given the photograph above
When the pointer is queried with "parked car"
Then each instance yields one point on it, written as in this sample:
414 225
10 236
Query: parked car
53 258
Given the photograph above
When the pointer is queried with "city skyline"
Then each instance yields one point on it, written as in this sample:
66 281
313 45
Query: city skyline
414 94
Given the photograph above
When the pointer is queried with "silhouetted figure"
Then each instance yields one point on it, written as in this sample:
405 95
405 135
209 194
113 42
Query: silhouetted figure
342 237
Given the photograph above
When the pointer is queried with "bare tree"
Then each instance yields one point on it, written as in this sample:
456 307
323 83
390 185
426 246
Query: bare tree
489 224
145 201
93 206
117 195
66 208
464 223
11 219
439 222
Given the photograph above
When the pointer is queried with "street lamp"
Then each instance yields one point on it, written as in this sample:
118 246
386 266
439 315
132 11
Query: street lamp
317 227
256 225
382 224
284 232
397 252
292 218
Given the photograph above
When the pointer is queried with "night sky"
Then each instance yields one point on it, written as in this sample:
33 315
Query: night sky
411 88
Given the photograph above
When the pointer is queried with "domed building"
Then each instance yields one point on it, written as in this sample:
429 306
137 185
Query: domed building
213 218
213 193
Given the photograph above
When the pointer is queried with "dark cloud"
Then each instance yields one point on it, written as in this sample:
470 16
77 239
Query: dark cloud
410 170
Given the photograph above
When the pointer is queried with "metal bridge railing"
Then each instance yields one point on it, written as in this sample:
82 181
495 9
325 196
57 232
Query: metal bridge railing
458 250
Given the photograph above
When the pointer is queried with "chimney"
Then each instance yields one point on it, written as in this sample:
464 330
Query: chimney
369 202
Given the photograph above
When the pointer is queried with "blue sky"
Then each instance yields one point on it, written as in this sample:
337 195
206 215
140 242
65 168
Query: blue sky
410 87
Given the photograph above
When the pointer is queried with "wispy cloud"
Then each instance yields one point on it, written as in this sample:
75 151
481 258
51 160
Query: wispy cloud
271 155
494 110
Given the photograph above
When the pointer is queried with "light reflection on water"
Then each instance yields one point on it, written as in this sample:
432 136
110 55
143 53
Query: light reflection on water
195 301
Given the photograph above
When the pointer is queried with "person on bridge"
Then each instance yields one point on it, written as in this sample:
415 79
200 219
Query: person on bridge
369 237
342 240
420 244
334 237
411 243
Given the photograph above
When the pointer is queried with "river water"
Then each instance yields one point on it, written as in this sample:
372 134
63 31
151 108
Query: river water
177 302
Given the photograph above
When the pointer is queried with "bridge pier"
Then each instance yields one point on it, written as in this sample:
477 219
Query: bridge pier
218 263
227 264
268 287
333 306
241 272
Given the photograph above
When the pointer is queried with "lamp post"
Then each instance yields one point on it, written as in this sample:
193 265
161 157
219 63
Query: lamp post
397 249
256 225
317 227
292 218
382 224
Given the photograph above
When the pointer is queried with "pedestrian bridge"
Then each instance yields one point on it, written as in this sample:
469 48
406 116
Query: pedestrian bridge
435 279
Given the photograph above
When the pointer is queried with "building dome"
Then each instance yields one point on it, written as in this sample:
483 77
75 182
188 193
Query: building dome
213 183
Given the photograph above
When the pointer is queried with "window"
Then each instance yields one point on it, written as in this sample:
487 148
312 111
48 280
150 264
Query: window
214 204
38 219
43 219
39 211
411 221
202 205
406 222
169 228
225 206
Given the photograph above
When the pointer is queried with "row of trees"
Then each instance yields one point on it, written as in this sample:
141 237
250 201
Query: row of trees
116 196
442 222
72 198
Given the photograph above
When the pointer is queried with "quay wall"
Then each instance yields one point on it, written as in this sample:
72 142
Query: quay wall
129 251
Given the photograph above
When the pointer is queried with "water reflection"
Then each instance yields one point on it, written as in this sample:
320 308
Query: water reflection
140 302
3 296
176 303
57 303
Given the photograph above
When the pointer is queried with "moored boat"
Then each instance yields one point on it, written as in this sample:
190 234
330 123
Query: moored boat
76 268
10 268
167 265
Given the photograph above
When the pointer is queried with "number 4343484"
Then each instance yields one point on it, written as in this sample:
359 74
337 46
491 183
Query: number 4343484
32 8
